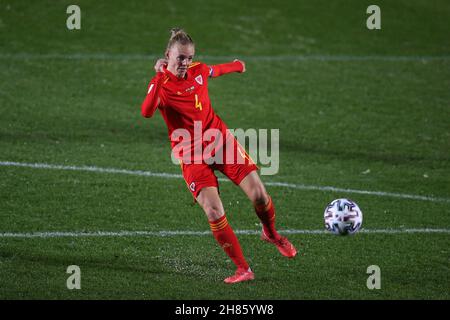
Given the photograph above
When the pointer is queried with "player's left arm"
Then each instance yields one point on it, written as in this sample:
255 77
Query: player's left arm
224 68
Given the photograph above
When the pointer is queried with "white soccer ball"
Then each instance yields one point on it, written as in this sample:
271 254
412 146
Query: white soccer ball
342 217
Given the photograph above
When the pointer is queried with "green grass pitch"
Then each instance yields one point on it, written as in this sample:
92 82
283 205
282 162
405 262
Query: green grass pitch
357 109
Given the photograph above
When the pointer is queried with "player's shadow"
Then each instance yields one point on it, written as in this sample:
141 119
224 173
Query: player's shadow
120 262
147 266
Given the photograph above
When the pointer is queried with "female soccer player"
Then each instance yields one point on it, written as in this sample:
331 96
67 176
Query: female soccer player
180 91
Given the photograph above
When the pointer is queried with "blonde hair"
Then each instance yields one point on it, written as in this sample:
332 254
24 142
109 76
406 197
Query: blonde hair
178 35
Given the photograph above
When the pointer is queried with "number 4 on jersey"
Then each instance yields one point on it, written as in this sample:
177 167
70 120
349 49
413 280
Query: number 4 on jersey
198 105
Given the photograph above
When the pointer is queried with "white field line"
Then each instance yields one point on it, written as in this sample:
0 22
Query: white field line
173 233
145 57
179 176
374 193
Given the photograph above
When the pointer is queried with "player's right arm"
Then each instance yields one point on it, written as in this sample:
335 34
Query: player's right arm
152 100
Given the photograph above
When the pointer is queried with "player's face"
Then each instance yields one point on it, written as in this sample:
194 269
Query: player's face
179 57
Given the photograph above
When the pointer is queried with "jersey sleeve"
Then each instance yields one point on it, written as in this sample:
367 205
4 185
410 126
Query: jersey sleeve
224 68
154 97
205 70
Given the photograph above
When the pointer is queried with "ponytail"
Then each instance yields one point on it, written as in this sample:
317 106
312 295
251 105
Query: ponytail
178 35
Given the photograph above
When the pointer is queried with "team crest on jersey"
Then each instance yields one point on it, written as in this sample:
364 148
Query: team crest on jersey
199 79
192 186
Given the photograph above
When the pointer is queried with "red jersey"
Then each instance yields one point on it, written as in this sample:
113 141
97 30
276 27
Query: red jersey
184 102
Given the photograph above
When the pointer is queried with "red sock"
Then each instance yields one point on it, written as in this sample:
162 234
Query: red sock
266 213
226 238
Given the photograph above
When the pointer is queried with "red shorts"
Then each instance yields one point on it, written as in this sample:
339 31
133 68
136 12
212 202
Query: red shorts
201 175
